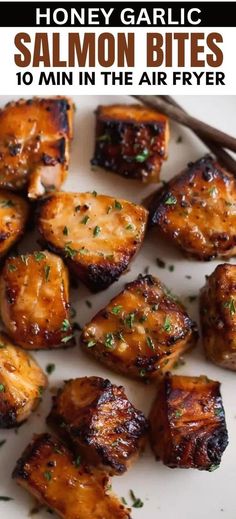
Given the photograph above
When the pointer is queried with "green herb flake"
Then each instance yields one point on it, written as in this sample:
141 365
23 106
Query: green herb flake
213 467
94 193
104 138
109 341
142 372
143 318
213 191
2 388
129 227
96 230
11 267
231 306
116 309
171 268
137 502
2 442
47 475
6 498
72 313
142 156
178 413
218 412
167 325
47 269
154 307
7 203
65 325
78 461
85 219
39 256
50 368
124 501
91 344
67 338
69 252
171 200
150 343
40 391
2 345
129 320
65 231
117 205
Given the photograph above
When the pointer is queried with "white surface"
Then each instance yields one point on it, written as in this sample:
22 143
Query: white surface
166 493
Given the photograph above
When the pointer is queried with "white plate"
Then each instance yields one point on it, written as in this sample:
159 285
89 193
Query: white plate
165 492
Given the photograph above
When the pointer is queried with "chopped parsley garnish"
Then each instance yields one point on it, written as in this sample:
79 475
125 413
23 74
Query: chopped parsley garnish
67 338
65 231
2 442
117 205
7 203
6 498
2 388
178 413
230 305
137 502
85 219
213 467
129 227
217 412
124 501
65 325
142 156
40 390
129 320
39 256
47 475
91 344
50 368
69 252
103 138
213 191
143 318
94 193
109 341
171 268
78 461
171 200
47 269
150 343
116 309
160 263
11 267
167 325
96 230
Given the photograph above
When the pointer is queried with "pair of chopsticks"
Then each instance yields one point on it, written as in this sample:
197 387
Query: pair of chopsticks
214 139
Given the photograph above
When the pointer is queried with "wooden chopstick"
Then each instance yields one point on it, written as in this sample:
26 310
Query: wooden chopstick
224 158
174 112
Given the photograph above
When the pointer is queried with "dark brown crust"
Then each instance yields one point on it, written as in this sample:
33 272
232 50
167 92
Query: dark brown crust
120 140
218 316
108 430
139 359
188 428
199 221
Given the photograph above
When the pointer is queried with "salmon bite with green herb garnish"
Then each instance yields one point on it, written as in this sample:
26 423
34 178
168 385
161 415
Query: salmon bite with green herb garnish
34 301
97 235
131 140
142 332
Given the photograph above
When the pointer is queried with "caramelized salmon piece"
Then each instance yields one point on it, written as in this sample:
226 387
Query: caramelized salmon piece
68 487
218 316
21 384
14 212
34 301
98 235
131 140
187 423
141 332
100 423
34 144
196 210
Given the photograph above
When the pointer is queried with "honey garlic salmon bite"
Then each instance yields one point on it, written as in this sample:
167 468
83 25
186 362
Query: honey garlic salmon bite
34 301
131 140
187 423
49 472
22 382
97 235
196 210
218 316
99 422
35 137
14 214
142 331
